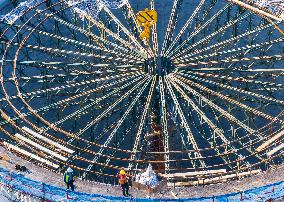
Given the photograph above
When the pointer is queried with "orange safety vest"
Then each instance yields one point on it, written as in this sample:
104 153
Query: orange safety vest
122 179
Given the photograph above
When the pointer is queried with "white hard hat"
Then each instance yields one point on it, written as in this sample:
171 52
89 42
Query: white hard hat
69 170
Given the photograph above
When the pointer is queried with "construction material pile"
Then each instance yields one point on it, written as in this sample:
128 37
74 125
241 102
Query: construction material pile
17 12
274 6
149 177
84 7
92 8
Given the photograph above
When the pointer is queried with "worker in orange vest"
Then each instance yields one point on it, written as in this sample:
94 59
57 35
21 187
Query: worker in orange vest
123 181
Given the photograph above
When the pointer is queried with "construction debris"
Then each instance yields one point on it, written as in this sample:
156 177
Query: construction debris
149 181
149 177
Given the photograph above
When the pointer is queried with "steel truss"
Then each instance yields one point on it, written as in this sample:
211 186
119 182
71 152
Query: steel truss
210 92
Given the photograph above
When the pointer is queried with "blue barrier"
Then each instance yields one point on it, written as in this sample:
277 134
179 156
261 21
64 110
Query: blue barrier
34 188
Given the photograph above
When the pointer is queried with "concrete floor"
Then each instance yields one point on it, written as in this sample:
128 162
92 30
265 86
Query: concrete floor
46 176
3 198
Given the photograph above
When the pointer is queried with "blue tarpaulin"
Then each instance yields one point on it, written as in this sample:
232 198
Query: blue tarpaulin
31 187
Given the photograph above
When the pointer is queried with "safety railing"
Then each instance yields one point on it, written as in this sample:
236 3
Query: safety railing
25 189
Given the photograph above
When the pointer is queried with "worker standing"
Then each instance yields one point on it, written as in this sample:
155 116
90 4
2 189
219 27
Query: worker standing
123 181
69 178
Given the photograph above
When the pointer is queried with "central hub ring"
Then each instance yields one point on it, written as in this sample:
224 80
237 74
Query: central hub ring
159 66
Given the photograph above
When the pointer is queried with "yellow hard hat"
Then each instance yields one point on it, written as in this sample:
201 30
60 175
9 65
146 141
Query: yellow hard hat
122 172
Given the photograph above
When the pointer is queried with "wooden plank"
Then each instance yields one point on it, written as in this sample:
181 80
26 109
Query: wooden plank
174 194
215 179
188 174
35 134
276 149
234 175
270 141
5 116
40 147
33 156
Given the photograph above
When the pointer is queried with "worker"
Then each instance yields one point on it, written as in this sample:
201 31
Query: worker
123 181
69 178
